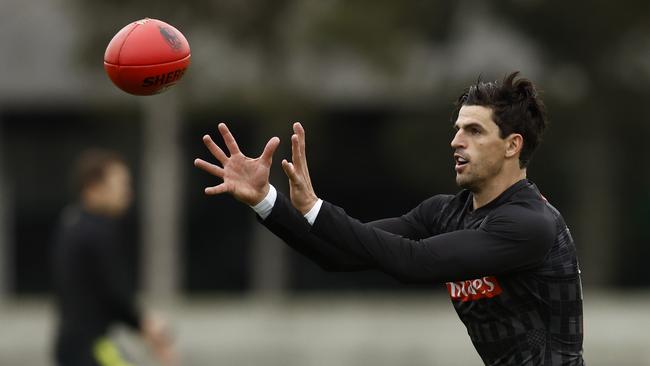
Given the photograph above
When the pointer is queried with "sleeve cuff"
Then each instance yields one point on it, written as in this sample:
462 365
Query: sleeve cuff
313 213
265 206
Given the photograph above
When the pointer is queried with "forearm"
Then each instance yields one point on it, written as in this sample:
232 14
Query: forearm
122 300
292 227
123 305
457 255
384 250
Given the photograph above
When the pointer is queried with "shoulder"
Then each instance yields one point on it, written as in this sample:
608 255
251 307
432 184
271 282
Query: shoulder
432 205
525 214
441 204
448 204
528 219
459 200
438 200
69 230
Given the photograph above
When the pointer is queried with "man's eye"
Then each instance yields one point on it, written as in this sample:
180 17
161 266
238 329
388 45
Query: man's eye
475 131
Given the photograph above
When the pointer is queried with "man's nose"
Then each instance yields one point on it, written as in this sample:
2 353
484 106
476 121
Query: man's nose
458 141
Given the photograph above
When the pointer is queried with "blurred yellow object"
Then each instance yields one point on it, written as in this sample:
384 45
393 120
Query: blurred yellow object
107 353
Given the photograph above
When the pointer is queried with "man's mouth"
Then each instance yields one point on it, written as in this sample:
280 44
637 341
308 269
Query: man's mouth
461 161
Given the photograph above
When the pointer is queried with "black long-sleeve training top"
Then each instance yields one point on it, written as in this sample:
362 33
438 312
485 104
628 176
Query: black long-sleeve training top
510 267
92 288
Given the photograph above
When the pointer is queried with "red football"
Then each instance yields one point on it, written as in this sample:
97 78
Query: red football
147 57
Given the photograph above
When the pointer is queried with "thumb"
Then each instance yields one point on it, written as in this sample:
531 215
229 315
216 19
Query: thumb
269 150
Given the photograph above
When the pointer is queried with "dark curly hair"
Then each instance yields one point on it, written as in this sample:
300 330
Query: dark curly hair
516 108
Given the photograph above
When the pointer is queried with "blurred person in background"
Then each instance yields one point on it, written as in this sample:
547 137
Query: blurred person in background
92 288
506 255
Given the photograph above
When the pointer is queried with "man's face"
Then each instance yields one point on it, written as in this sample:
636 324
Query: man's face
115 189
479 151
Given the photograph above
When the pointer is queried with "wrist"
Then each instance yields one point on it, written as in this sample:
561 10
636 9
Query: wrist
264 207
311 215
309 204
254 201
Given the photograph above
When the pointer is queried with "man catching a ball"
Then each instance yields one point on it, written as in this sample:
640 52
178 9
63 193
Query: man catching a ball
505 254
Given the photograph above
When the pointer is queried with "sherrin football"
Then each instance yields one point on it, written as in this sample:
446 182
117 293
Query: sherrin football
147 57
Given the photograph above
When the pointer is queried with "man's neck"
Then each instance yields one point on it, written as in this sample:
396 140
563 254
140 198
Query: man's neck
97 208
495 187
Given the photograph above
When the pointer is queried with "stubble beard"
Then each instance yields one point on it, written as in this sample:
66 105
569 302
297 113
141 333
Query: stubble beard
467 182
476 182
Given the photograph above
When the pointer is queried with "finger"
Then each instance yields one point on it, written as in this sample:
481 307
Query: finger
214 149
208 167
295 150
300 153
269 150
290 171
229 139
299 159
218 189
300 131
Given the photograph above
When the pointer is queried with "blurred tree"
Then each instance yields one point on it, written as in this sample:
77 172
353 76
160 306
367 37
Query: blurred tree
376 30
379 31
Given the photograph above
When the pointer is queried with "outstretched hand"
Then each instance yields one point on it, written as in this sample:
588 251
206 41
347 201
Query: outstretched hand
302 193
246 179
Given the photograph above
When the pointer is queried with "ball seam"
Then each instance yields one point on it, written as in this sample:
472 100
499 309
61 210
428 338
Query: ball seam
119 52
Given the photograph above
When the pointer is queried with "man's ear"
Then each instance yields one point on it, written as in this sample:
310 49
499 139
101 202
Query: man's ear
514 144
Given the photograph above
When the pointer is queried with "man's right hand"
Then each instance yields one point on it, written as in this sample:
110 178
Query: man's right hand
246 179
302 192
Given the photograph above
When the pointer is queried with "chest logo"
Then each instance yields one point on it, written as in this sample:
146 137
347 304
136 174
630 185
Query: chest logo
470 290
